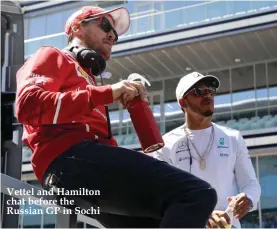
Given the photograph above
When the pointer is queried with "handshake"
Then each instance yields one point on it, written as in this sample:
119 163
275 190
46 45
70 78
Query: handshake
238 207
127 90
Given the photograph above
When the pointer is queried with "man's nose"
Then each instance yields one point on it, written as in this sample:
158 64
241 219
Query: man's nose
111 35
208 93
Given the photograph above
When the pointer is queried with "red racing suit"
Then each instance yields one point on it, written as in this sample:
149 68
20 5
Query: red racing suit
59 105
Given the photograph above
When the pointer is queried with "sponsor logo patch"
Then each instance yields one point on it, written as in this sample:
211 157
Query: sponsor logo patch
82 73
222 144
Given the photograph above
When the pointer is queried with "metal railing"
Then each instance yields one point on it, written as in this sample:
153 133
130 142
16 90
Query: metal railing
155 20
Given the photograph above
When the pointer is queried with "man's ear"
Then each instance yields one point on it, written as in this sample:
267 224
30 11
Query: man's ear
182 103
78 31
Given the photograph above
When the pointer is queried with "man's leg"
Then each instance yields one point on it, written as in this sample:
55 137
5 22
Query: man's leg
121 221
134 184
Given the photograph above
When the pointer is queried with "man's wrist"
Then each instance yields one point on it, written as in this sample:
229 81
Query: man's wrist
251 204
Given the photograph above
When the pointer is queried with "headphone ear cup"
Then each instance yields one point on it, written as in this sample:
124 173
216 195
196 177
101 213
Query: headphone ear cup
90 59
83 57
99 64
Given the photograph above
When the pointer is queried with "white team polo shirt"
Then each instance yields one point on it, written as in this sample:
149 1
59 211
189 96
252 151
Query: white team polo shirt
229 169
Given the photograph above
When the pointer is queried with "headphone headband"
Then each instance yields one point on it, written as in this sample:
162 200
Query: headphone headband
88 58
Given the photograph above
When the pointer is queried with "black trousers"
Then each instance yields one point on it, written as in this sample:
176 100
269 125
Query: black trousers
136 190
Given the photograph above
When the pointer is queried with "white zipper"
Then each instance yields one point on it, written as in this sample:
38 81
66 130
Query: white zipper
58 108
87 128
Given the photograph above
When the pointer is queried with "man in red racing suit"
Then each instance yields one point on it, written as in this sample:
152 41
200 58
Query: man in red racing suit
66 127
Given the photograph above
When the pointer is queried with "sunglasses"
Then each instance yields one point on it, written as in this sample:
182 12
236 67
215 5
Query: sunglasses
199 91
105 25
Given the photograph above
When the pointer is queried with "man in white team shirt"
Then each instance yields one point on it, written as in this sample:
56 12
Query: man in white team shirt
212 152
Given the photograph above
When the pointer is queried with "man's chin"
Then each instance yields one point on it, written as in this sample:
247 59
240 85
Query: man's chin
106 56
208 113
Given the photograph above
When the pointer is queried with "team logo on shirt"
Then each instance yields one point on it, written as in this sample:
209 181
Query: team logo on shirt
182 145
82 73
224 155
183 158
181 149
37 78
221 143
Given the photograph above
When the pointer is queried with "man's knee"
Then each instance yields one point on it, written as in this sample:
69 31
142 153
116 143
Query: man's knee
208 197
204 198
206 194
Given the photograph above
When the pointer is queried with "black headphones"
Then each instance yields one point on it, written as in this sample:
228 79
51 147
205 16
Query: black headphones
88 58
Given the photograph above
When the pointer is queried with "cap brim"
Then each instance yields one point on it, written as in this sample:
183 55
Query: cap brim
121 18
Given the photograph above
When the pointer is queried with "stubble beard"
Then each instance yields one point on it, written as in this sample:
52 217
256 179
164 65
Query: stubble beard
207 113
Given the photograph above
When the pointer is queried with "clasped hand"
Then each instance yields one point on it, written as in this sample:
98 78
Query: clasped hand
125 91
238 205
219 219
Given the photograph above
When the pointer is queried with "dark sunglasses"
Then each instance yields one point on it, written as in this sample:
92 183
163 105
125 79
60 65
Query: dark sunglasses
105 25
199 91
